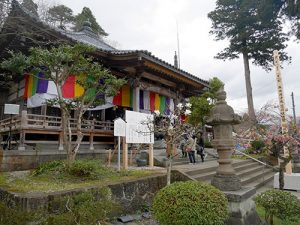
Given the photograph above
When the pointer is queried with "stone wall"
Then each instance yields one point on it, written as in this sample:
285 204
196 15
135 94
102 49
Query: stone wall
132 195
23 160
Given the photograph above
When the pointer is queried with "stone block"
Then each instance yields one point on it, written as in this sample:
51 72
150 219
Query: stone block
291 182
242 207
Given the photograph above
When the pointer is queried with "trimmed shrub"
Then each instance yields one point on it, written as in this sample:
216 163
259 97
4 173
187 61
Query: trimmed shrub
281 204
190 203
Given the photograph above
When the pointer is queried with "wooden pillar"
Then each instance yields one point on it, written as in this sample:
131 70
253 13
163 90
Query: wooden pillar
61 142
22 132
109 158
91 141
136 103
103 115
151 156
125 154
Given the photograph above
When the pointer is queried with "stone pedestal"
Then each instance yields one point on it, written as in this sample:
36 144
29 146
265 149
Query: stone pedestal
226 183
242 207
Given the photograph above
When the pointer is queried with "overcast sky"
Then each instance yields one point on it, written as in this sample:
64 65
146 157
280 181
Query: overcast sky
151 25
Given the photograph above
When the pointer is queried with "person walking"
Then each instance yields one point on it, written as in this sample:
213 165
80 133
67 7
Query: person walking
200 151
190 148
182 146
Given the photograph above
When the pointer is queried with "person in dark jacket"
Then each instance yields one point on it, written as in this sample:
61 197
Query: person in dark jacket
200 150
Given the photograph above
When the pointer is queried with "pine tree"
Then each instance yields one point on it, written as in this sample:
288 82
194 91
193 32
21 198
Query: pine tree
61 14
291 9
31 7
87 15
253 30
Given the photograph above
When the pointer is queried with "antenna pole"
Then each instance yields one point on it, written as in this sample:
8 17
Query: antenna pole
294 111
178 45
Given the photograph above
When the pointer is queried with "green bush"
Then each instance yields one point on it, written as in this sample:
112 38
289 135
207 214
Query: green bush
281 204
207 144
89 208
257 145
48 167
92 169
9 216
190 203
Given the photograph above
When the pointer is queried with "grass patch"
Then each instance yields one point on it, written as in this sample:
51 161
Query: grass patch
57 176
242 157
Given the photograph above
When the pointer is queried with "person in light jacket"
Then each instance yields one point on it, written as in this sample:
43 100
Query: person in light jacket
191 148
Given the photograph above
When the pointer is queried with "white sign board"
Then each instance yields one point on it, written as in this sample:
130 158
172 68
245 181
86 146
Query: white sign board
11 109
138 128
119 127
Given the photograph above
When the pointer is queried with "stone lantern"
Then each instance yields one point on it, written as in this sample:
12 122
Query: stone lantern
222 117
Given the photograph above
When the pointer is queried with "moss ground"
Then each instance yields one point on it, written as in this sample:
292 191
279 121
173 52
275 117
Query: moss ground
58 180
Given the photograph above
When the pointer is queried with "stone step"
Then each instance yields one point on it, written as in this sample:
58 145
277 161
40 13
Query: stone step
208 173
259 183
238 163
235 164
246 172
251 173
256 177
246 166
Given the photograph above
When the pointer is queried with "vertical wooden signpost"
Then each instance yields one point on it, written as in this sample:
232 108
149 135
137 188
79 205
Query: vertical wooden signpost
284 125
120 131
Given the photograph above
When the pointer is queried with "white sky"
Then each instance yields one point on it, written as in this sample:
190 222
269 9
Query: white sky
151 25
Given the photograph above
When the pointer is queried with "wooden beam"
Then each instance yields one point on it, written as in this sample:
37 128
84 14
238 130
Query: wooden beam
158 79
160 90
173 74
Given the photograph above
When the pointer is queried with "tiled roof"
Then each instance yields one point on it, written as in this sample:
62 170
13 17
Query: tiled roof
87 37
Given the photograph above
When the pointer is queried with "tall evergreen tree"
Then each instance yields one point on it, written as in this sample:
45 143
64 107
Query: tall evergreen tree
61 14
291 9
31 7
253 30
4 9
87 15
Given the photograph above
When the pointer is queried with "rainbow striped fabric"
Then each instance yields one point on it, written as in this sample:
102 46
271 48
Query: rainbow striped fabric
154 102
149 101
36 84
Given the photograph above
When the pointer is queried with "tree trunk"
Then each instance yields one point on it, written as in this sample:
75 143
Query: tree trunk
205 134
169 169
251 111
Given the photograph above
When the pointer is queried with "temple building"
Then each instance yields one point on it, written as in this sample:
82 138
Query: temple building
153 84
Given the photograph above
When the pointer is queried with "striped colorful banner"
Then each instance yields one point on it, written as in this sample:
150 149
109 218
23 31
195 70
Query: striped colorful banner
152 101
35 83
125 96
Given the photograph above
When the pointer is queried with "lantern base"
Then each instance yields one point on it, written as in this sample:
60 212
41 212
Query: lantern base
227 182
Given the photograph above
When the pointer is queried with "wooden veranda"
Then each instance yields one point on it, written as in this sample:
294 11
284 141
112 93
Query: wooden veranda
27 129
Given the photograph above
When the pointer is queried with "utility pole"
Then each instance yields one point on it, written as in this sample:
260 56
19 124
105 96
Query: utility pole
294 111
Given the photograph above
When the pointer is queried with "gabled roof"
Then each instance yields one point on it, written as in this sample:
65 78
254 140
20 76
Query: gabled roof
87 36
